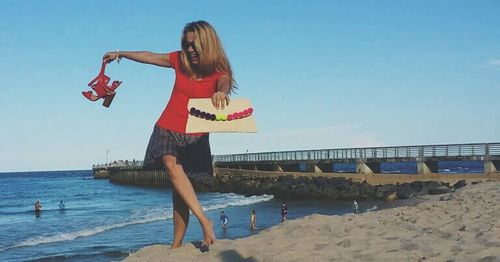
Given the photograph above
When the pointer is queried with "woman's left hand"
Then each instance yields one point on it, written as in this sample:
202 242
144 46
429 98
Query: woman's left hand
220 100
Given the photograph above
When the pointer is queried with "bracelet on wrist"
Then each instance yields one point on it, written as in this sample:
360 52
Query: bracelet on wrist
117 58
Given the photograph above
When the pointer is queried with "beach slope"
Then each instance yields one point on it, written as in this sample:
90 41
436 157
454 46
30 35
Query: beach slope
462 227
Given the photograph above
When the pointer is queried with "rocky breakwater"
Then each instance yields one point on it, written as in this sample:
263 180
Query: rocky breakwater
324 187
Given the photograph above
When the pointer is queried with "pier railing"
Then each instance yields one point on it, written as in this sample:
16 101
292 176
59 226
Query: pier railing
478 151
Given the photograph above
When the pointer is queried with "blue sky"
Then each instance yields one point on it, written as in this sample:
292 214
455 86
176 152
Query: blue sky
321 74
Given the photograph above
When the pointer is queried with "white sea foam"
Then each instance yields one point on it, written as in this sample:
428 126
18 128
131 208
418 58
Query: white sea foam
142 216
227 200
371 209
51 238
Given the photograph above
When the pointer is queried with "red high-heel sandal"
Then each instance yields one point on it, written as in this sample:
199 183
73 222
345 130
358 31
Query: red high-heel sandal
100 86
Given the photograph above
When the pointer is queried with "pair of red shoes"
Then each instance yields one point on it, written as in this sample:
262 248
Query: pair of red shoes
100 86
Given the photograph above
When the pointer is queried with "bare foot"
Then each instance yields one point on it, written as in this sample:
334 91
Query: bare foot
175 245
208 234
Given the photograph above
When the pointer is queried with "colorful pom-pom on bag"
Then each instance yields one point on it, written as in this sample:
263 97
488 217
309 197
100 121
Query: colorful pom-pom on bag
238 117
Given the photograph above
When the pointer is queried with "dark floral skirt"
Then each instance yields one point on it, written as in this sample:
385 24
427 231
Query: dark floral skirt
192 152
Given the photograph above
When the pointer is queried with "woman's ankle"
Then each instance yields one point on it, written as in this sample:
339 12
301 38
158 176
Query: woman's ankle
176 245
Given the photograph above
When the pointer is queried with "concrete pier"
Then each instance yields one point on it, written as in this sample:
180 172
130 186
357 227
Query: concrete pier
312 174
367 160
491 166
427 167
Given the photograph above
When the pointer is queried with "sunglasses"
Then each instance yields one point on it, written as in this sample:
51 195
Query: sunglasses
187 45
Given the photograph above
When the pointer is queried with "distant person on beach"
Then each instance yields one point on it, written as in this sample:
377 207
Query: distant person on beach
355 206
38 206
284 212
202 70
61 206
253 220
224 219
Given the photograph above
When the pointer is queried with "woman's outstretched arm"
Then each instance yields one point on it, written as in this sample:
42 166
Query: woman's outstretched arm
145 57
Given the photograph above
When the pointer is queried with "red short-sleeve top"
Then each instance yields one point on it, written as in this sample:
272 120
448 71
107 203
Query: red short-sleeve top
175 115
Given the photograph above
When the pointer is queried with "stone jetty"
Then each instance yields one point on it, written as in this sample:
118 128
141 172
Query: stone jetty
304 185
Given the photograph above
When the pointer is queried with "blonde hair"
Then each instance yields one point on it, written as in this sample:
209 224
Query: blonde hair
212 58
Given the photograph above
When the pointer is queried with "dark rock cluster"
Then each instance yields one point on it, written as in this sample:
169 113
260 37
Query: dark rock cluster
323 187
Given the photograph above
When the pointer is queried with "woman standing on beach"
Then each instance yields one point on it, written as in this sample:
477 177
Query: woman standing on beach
202 70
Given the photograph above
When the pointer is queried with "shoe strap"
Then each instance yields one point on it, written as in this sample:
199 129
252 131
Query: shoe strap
103 67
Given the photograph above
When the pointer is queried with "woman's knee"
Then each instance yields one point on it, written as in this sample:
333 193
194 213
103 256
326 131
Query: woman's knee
170 164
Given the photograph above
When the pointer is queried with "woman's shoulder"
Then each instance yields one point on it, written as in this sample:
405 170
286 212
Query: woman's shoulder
174 58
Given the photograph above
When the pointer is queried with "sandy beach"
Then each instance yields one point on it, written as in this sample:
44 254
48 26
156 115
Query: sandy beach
462 226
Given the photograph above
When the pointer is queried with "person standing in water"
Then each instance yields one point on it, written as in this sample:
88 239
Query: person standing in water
224 219
284 212
202 70
61 206
38 206
253 220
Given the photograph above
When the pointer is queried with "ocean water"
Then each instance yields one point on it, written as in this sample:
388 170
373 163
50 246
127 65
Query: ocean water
105 221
